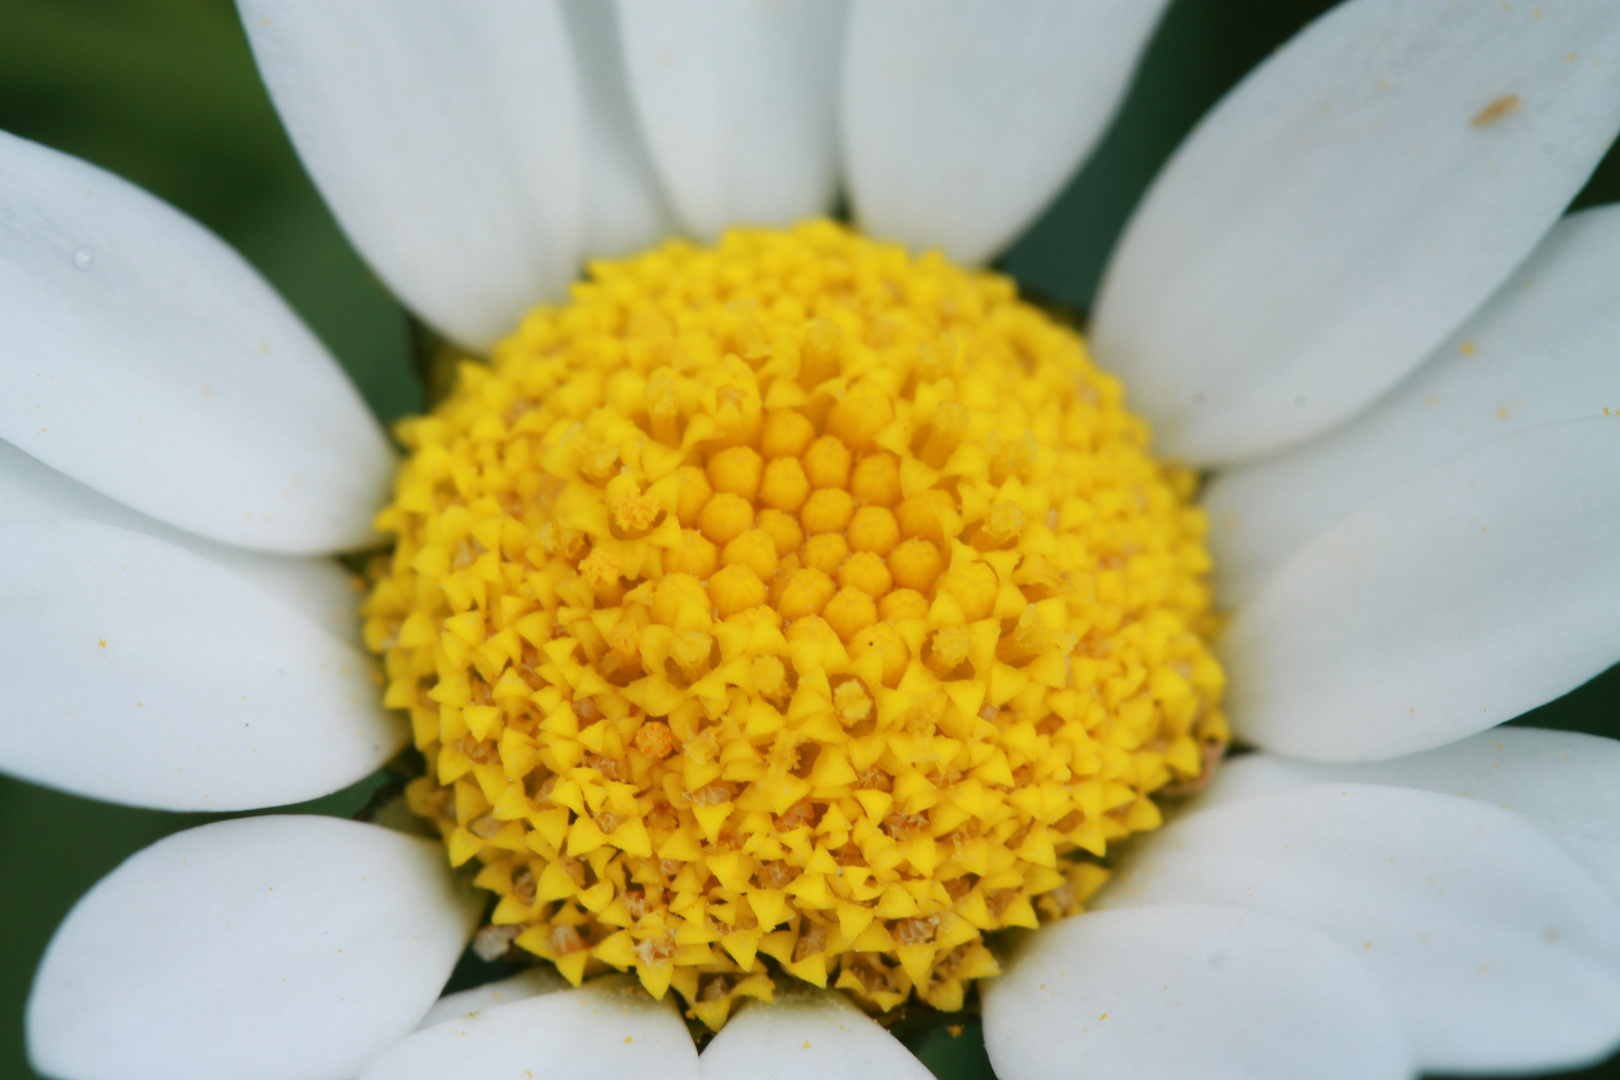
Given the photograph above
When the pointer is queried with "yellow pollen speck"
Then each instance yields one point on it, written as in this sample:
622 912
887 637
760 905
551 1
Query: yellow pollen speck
102 642
1497 109
791 608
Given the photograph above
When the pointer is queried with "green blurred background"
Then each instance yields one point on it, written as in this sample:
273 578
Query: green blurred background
163 92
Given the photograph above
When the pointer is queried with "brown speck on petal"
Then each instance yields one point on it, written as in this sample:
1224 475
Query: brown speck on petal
1497 109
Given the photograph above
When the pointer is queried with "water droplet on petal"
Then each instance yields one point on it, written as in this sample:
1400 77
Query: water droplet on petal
83 257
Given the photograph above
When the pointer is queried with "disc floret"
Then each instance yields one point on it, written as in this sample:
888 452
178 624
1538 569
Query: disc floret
792 599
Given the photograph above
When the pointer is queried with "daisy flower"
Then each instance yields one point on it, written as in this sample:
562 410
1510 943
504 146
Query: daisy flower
792 624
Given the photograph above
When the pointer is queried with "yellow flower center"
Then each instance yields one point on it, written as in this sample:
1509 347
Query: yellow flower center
792 599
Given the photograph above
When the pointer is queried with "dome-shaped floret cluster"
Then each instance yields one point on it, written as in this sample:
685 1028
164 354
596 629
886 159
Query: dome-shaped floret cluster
794 599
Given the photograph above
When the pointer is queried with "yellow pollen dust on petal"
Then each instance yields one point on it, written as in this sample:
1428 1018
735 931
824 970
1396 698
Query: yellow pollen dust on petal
793 607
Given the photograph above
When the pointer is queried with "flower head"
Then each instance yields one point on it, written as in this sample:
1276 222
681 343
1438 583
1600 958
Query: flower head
967 534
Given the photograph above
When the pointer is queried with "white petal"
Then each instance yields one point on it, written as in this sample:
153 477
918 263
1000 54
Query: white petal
807 1036
737 100
1479 589
318 589
1562 782
1189 990
143 357
604 1029
139 672
962 119
1346 207
447 140
1541 349
627 208
538 980
1499 950
281 948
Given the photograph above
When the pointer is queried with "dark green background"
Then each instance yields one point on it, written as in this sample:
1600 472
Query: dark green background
164 93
